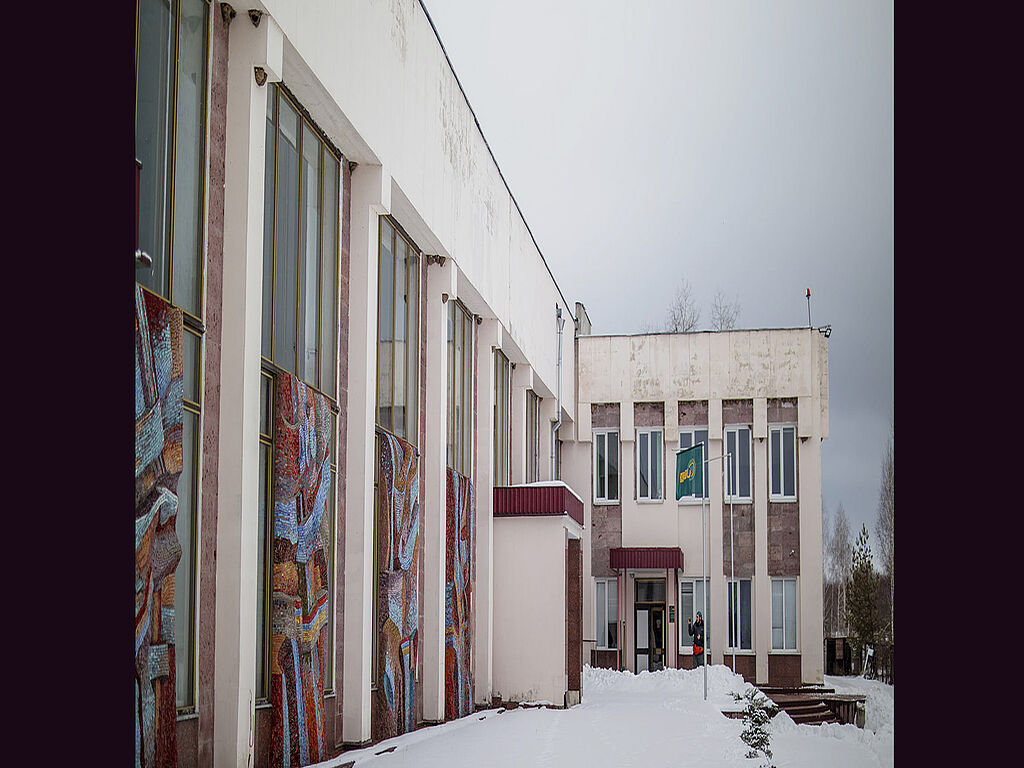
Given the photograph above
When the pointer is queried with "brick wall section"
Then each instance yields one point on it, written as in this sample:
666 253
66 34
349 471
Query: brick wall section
782 410
783 539
604 415
649 414
737 412
606 519
603 659
784 669
693 413
743 540
746 665
605 534
574 614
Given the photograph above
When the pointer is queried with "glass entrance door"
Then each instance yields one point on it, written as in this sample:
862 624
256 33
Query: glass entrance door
649 624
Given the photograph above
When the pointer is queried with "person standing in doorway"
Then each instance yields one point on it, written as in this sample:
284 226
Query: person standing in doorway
696 630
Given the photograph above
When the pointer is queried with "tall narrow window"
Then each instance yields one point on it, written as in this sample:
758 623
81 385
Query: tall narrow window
606 614
398 326
460 388
300 248
691 600
532 436
172 47
649 466
737 482
739 614
502 431
606 466
782 462
301 237
783 614
689 437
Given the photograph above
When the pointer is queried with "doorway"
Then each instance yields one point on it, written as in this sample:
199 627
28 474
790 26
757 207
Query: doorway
649 625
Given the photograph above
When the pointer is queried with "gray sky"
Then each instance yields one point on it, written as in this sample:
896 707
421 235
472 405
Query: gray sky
747 146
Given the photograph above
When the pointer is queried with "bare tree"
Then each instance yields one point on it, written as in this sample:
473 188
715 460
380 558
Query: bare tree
683 313
839 559
724 312
884 524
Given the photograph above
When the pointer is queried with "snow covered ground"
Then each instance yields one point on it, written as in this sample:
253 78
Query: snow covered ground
646 720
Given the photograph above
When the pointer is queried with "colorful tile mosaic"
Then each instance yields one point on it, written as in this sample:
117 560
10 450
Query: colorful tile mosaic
398 556
158 457
300 583
458 591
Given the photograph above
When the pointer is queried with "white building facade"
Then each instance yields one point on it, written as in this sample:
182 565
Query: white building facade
761 399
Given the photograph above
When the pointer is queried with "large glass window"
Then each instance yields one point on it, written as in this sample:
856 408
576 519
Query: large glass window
606 466
301 236
737 473
783 614
532 436
782 461
739 615
460 388
606 615
689 437
691 600
649 466
502 429
300 247
172 49
398 333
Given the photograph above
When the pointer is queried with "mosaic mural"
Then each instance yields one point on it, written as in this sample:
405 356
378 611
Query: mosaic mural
158 461
300 581
458 590
398 526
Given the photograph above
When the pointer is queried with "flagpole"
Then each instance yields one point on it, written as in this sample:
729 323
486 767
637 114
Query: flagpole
703 556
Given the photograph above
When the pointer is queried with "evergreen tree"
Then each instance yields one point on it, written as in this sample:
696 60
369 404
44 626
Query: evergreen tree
861 606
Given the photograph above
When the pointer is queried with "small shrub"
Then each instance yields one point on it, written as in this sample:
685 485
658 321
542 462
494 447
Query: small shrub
758 710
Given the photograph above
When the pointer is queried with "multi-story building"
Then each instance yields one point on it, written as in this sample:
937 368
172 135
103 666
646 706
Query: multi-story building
757 398
346 340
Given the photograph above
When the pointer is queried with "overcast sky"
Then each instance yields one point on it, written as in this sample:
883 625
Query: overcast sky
746 146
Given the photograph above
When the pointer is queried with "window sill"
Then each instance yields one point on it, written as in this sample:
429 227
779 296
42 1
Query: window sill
190 713
782 499
264 704
738 500
690 502
780 652
606 502
650 501
739 652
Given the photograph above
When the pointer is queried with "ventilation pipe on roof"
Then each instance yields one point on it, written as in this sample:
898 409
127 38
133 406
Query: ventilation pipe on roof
558 422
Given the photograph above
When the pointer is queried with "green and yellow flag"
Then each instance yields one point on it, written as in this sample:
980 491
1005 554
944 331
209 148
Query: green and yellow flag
689 472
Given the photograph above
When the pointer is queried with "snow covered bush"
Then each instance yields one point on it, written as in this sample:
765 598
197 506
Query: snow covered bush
758 710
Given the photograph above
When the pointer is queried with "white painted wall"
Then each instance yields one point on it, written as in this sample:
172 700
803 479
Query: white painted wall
529 608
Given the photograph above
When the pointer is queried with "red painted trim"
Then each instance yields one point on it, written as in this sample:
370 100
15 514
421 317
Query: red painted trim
645 557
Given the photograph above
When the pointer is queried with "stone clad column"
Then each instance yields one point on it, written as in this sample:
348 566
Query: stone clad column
522 380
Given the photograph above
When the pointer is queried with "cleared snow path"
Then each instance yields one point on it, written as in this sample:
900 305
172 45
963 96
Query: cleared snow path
646 720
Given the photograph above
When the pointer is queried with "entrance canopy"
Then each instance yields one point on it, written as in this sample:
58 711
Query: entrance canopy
645 557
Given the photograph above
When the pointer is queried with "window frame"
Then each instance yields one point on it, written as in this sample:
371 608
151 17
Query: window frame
532 442
412 383
192 308
606 499
501 466
780 429
460 447
611 585
732 467
650 432
734 613
692 431
685 641
784 580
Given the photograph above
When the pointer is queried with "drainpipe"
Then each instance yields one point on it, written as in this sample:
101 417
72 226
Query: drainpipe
558 423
